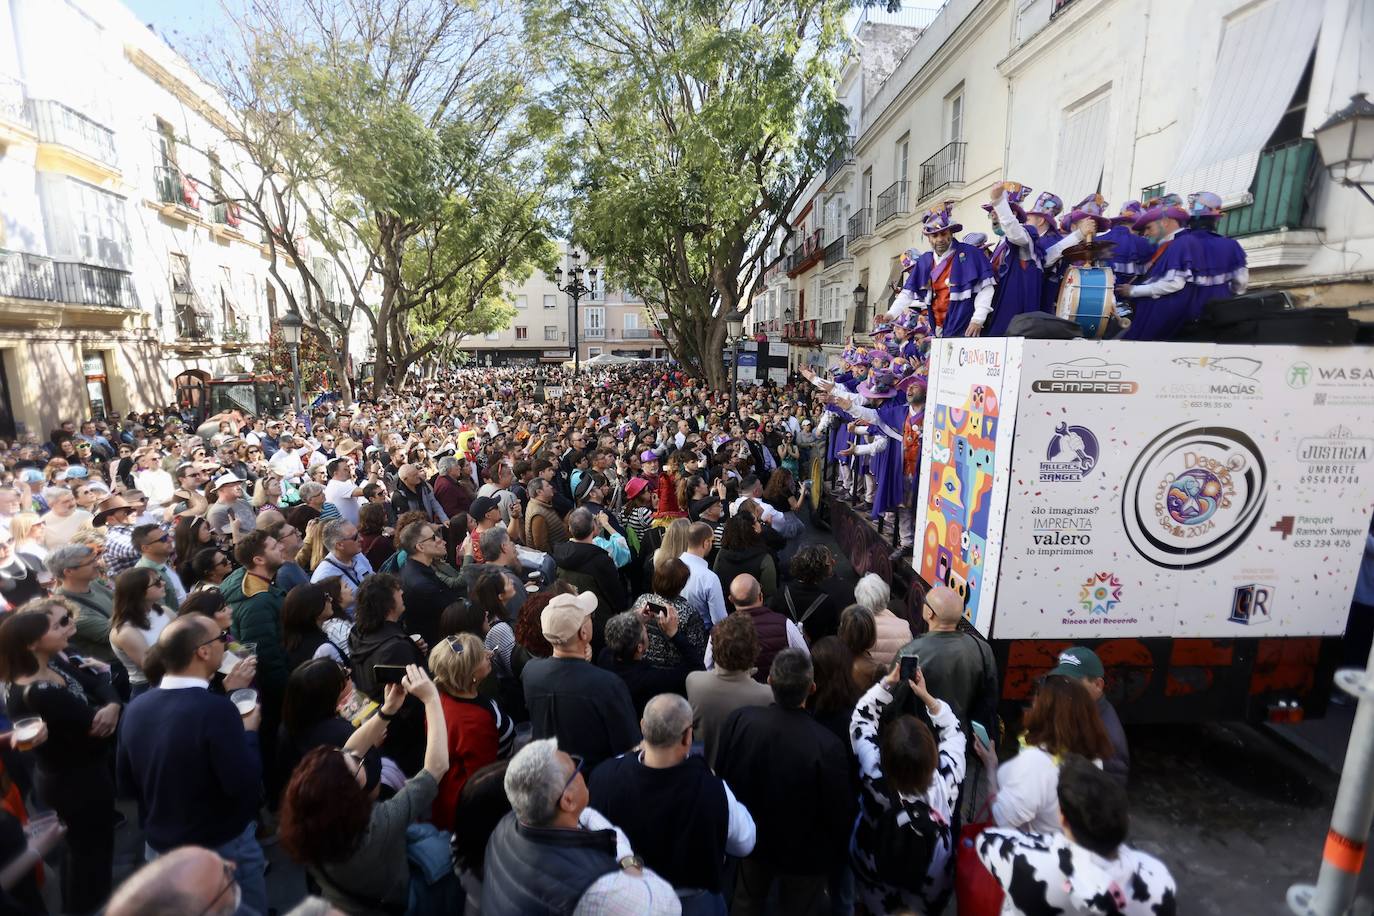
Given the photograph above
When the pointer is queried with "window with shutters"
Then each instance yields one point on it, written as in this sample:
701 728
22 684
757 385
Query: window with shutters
521 333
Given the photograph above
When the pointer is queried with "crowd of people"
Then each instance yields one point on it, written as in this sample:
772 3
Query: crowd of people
474 649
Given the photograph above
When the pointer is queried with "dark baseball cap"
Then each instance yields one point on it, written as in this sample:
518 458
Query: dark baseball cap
481 506
1079 661
701 505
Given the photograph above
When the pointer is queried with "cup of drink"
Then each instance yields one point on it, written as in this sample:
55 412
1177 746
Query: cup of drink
244 649
415 638
26 732
246 700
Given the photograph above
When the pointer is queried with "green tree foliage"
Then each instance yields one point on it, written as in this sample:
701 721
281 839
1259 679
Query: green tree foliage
400 129
695 126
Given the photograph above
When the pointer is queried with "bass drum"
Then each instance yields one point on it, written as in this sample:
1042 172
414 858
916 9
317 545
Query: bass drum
1087 297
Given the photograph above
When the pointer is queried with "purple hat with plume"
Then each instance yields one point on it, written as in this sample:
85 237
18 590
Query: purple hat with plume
908 320
1204 203
1170 206
880 384
1015 194
860 357
940 219
879 358
880 329
1047 205
1130 211
976 239
1094 206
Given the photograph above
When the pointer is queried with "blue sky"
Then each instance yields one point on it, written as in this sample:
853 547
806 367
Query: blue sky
192 19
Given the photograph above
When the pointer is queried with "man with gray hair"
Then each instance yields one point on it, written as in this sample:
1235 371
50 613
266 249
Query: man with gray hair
805 810
552 854
501 557
893 632
76 572
345 555
681 817
63 519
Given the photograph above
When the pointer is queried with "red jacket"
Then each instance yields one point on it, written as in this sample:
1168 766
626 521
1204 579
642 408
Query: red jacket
472 744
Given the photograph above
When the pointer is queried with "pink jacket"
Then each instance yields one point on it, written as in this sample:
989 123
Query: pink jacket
893 633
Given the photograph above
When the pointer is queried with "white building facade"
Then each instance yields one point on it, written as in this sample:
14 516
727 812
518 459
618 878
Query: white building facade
1128 98
118 275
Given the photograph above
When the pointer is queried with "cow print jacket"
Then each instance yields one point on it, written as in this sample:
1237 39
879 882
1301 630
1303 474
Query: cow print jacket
1052 876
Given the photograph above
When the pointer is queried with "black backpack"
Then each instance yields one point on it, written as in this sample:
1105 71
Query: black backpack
903 842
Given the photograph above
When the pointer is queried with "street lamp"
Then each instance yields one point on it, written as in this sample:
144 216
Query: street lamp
734 326
1346 144
291 325
576 289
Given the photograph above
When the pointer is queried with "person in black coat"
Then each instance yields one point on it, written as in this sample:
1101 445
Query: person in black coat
379 639
592 569
627 639
804 811
815 596
425 595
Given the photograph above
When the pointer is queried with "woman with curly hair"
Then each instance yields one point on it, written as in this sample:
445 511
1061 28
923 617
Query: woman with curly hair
352 845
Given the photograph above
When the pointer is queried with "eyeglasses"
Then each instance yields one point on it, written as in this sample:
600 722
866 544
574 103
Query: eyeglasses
455 644
578 762
350 755
229 882
223 636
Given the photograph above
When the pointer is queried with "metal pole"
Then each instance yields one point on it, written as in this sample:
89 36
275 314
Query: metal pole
1343 856
296 378
734 380
577 348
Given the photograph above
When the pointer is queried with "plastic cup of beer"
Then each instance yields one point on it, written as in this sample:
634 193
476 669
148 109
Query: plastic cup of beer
26 732
245 699
245 649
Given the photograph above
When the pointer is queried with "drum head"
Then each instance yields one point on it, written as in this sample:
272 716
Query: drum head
817 472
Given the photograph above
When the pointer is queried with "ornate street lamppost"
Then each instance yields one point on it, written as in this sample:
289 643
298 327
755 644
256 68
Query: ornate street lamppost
291 325
734 326
576 289
1346 143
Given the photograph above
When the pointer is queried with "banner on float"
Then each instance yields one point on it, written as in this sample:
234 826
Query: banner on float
966 454
1186 490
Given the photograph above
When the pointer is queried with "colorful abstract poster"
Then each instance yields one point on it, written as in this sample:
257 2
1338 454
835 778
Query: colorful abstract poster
966 452
1186 490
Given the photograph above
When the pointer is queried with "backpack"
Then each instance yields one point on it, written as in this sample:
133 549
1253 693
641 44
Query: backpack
810 608
903 841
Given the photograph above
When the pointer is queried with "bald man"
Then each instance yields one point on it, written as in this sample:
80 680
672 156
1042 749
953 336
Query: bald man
185 880
958 664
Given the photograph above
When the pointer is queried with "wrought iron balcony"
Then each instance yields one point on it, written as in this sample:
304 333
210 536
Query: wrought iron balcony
1283 178
943 169
31 276
593 333
836 252
175 188
893 202
840 158
56 123
226 213
832 333
861 224
193 324
639 333
804 333
806 253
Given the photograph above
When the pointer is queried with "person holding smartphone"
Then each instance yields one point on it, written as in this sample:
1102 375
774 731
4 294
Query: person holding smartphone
903 846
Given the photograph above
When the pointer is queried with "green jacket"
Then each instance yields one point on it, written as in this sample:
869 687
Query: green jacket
93 610
257 619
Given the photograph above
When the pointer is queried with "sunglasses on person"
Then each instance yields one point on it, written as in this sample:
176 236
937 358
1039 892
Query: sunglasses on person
578 763
223 636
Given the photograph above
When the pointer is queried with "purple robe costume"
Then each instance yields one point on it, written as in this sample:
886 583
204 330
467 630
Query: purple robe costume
969 272
1130 253
1159 319
890 491
1217 261
1019 284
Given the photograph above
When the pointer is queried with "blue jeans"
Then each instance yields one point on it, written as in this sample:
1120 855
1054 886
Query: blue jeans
702 903
250 869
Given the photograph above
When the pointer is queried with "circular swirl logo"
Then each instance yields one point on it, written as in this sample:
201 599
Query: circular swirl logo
1193 495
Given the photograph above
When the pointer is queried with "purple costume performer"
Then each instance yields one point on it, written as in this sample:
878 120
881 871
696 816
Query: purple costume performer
1015 263
1048 207
1167 299
1219 267
952 288
1130 253
884 448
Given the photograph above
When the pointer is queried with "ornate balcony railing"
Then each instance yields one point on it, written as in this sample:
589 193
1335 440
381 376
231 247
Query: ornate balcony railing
175 188
861 224
806 253
946 167
835 252
31 276
893 202
56 123
832 333
840 158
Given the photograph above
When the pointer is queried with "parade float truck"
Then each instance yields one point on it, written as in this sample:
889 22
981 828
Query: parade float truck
1196 513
